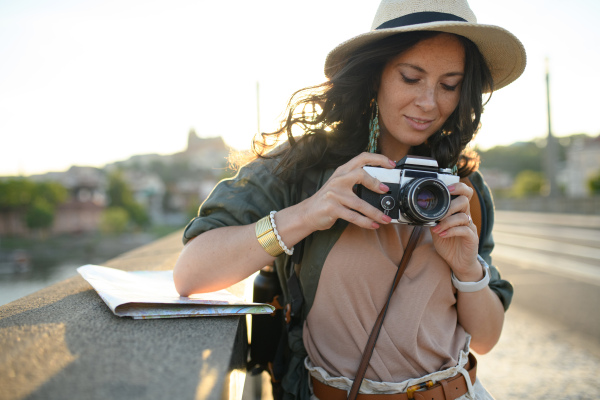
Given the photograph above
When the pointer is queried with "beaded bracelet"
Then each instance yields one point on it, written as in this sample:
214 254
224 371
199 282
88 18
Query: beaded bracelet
269 238
281 244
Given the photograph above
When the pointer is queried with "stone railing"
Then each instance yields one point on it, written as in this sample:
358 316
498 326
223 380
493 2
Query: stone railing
63 342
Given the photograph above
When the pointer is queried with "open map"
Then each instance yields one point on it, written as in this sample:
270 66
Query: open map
152 294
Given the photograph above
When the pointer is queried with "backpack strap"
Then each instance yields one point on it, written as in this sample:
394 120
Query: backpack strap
305 188
478 211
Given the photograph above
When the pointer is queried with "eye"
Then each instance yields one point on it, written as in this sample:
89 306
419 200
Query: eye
449 88
408 80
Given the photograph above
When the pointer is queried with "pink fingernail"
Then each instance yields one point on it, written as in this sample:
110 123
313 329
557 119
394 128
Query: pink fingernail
443 233
386 218
451 188
375 225
392 163
384 187
435 228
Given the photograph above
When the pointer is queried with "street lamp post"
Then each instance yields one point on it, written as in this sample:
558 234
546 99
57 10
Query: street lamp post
551 150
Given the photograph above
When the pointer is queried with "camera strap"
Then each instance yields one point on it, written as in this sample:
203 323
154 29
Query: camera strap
368 352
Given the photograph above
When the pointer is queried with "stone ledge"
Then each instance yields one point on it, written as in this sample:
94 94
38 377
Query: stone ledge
64 342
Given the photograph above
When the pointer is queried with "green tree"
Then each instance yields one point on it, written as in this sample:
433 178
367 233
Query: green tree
114 220
53 192
36 202
514 158
138 214
528 183
39 215
119 192
121 196
16 194
594 183
22 193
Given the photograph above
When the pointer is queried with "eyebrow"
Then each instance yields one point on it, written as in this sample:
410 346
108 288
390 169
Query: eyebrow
416 67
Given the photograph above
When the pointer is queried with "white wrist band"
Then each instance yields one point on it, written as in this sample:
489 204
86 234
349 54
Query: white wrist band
281 244
470 287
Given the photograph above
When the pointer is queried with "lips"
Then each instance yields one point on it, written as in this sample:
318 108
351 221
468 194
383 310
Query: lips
419 124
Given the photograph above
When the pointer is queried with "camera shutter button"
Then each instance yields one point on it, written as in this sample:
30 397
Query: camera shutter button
388 203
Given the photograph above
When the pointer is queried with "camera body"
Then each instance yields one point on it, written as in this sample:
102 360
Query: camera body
418 192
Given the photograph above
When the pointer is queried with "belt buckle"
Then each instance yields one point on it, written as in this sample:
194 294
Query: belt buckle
410 392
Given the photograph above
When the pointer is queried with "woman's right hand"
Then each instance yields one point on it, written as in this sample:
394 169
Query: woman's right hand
337 199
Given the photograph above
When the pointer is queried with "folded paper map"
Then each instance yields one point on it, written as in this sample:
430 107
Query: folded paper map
152 294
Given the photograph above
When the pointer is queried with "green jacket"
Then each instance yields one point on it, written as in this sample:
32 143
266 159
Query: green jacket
255 191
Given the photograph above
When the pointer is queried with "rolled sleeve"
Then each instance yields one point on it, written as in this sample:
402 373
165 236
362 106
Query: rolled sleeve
250 195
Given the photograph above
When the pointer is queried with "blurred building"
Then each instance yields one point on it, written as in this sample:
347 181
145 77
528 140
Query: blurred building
85 184
148 190
80 213
83 210
170 186
76 216
583 162
200 154
205 153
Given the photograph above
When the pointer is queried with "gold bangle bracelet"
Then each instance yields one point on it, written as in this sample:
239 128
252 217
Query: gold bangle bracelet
266 237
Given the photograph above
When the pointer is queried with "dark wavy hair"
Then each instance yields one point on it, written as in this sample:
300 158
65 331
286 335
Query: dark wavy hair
333 117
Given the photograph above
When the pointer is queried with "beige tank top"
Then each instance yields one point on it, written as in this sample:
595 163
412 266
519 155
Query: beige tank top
420 334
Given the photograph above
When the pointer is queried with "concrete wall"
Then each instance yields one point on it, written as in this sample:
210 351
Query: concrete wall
63 342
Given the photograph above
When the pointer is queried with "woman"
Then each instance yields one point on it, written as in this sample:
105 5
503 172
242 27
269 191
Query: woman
411 86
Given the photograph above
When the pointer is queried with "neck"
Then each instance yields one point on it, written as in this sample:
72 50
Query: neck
391 148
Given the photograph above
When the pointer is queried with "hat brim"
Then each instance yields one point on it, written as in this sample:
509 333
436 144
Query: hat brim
503 52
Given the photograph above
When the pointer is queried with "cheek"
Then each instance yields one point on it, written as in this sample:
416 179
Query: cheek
391 101
448 105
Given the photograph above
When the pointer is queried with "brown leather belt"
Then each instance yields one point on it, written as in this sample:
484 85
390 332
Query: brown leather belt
446 389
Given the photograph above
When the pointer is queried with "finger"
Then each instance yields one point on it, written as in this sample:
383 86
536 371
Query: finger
461 189
359 176
362 177
363 159
456 220
359 219
340 203
457 231
458 205
368 210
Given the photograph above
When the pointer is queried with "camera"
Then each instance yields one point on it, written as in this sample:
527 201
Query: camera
418 192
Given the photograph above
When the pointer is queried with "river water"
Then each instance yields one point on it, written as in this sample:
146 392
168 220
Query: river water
14 285
52 260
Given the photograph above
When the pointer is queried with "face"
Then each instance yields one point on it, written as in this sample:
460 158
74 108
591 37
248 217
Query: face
419 90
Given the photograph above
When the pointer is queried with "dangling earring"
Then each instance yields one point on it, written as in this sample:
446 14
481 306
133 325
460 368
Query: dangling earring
445 133
373 129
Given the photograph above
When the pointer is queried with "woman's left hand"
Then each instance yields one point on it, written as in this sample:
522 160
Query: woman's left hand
455 236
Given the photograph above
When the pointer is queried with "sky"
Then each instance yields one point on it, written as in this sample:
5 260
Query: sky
88 82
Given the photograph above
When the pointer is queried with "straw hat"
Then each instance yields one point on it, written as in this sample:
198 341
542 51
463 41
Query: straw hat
502 51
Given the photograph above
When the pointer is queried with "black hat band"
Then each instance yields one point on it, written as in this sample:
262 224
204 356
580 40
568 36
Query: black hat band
419 18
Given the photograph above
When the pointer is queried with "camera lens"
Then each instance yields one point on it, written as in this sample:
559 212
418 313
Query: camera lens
424 200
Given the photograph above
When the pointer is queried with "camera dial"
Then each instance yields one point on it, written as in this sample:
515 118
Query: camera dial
388 203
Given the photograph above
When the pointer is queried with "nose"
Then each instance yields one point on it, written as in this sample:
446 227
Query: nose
425 100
